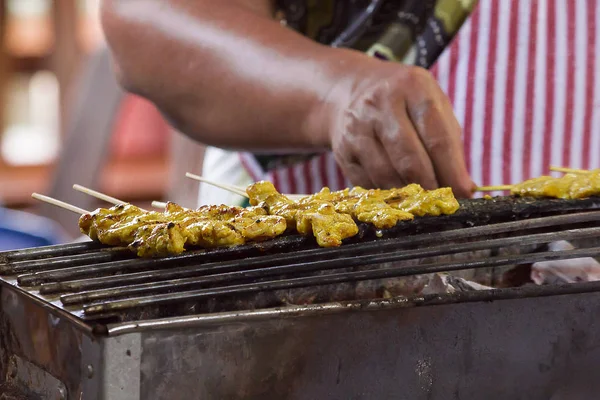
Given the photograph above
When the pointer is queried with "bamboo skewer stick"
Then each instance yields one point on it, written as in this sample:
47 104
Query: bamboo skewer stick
59 203
231 188
98 195
159 204
101 196
569 170
494 188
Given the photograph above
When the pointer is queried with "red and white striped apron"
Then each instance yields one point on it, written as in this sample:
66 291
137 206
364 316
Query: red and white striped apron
522 76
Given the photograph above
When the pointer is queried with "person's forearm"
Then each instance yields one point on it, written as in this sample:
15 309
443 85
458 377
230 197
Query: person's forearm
228 76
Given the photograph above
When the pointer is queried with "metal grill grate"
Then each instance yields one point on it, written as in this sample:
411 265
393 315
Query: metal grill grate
95 283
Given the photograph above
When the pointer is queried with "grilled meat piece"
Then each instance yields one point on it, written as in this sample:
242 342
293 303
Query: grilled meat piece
207 227
569 186
381 208
428 202
328 226
374 210
159 240
367 206
214 224
117 226
409 201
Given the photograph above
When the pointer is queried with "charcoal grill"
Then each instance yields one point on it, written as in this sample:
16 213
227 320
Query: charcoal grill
286 320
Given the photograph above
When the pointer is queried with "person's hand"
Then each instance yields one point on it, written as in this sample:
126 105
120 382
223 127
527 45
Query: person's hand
397 128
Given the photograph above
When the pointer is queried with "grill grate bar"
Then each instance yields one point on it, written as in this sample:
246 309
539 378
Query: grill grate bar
55 263
137 264
98 309
68 279
95 269
152 288
105 285
49 251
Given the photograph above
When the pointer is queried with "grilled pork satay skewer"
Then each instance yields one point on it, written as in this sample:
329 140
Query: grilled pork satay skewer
152 233
552 168
108 233
127 224
569 186
206 227
86 217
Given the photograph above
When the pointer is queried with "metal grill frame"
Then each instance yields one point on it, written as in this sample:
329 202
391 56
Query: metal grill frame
290 255
461 345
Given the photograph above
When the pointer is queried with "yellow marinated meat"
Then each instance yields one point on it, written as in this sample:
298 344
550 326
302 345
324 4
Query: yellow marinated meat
329 216
374 210
220 213
207 227
155 233
382 208
326 194
586 186
569 186
260 227
208 234
118 225
429 202
251 223
123 233
264 194
369 205
543 186
183 230
357 192
159 240
104 218
399 194
415 200
328 226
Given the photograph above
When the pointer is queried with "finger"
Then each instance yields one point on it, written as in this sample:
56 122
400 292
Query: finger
440 135
377 164
470 185
350 166
364 145
404 149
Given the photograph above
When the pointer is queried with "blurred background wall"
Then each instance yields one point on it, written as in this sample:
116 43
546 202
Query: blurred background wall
64 120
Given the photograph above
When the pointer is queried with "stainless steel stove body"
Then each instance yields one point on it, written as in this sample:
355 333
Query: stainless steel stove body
85 322
518 347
